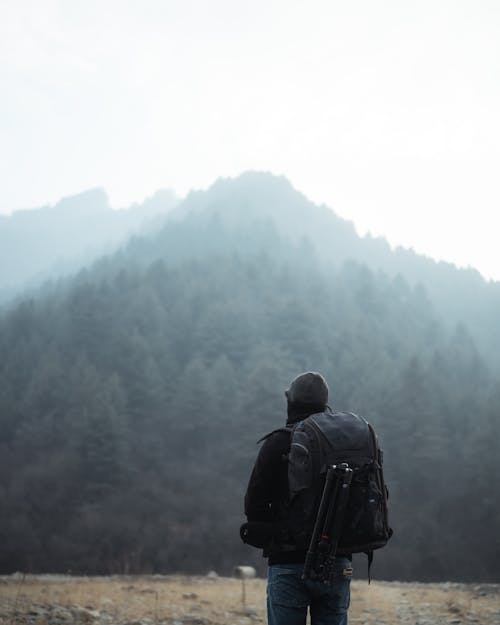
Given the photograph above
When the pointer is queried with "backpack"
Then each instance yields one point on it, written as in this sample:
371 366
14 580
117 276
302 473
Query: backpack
325 439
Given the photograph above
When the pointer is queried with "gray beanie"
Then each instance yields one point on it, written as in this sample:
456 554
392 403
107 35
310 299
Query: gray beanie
308 388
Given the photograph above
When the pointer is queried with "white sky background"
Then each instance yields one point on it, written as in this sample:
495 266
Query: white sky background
387 111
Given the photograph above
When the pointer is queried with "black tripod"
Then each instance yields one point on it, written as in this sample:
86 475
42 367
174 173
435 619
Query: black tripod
320 558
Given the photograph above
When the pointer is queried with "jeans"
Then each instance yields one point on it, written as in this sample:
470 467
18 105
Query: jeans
288 596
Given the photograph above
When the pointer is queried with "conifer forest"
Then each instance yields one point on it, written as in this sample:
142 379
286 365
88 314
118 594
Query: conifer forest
134 389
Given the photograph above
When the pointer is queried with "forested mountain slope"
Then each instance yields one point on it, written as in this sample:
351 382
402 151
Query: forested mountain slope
52 241
458 295
132 397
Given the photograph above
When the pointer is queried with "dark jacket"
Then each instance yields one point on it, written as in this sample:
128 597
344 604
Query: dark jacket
267 492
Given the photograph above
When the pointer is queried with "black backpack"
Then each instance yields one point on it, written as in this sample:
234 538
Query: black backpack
325 439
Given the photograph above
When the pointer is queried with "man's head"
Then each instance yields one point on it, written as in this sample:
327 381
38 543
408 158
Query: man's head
307 393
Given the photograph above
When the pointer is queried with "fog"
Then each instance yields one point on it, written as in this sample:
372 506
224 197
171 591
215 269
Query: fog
50 242
133 393
386 112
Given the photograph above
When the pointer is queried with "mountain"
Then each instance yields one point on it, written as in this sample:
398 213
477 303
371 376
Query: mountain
258 199
133 393
49 242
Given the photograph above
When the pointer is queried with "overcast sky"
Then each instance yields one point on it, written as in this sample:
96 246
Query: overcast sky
387 111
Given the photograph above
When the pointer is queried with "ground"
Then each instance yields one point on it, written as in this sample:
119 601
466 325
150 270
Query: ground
211 600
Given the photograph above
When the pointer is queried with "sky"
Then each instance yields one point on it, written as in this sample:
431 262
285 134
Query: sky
386 111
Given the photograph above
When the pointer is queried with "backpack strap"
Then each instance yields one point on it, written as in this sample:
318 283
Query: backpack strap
287 429
377 452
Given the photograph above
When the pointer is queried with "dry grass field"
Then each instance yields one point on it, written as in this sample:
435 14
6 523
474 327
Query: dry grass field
178 600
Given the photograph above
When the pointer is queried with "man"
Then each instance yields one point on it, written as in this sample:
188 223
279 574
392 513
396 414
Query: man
288 595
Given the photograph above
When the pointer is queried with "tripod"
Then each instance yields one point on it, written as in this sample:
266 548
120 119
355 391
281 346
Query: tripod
320 558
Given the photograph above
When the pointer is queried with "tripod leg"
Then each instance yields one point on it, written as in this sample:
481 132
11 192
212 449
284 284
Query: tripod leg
328 497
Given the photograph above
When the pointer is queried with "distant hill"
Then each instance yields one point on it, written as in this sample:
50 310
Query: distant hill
132 393
52 241
270 202
42 244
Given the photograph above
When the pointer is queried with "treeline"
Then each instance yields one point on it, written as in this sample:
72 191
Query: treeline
131 400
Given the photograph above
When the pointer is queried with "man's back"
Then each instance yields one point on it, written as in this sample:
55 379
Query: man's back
267 505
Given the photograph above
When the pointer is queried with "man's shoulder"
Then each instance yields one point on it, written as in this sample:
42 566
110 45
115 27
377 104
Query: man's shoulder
278 439
283 431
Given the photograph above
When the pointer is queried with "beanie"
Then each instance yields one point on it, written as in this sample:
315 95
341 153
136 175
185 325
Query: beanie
308 388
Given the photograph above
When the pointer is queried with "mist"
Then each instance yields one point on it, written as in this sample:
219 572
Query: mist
134 390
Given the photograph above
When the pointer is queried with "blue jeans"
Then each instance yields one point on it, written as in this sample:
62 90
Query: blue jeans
289 596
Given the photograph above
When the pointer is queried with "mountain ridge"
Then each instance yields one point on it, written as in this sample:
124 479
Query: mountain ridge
461 295
52 241
228 209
